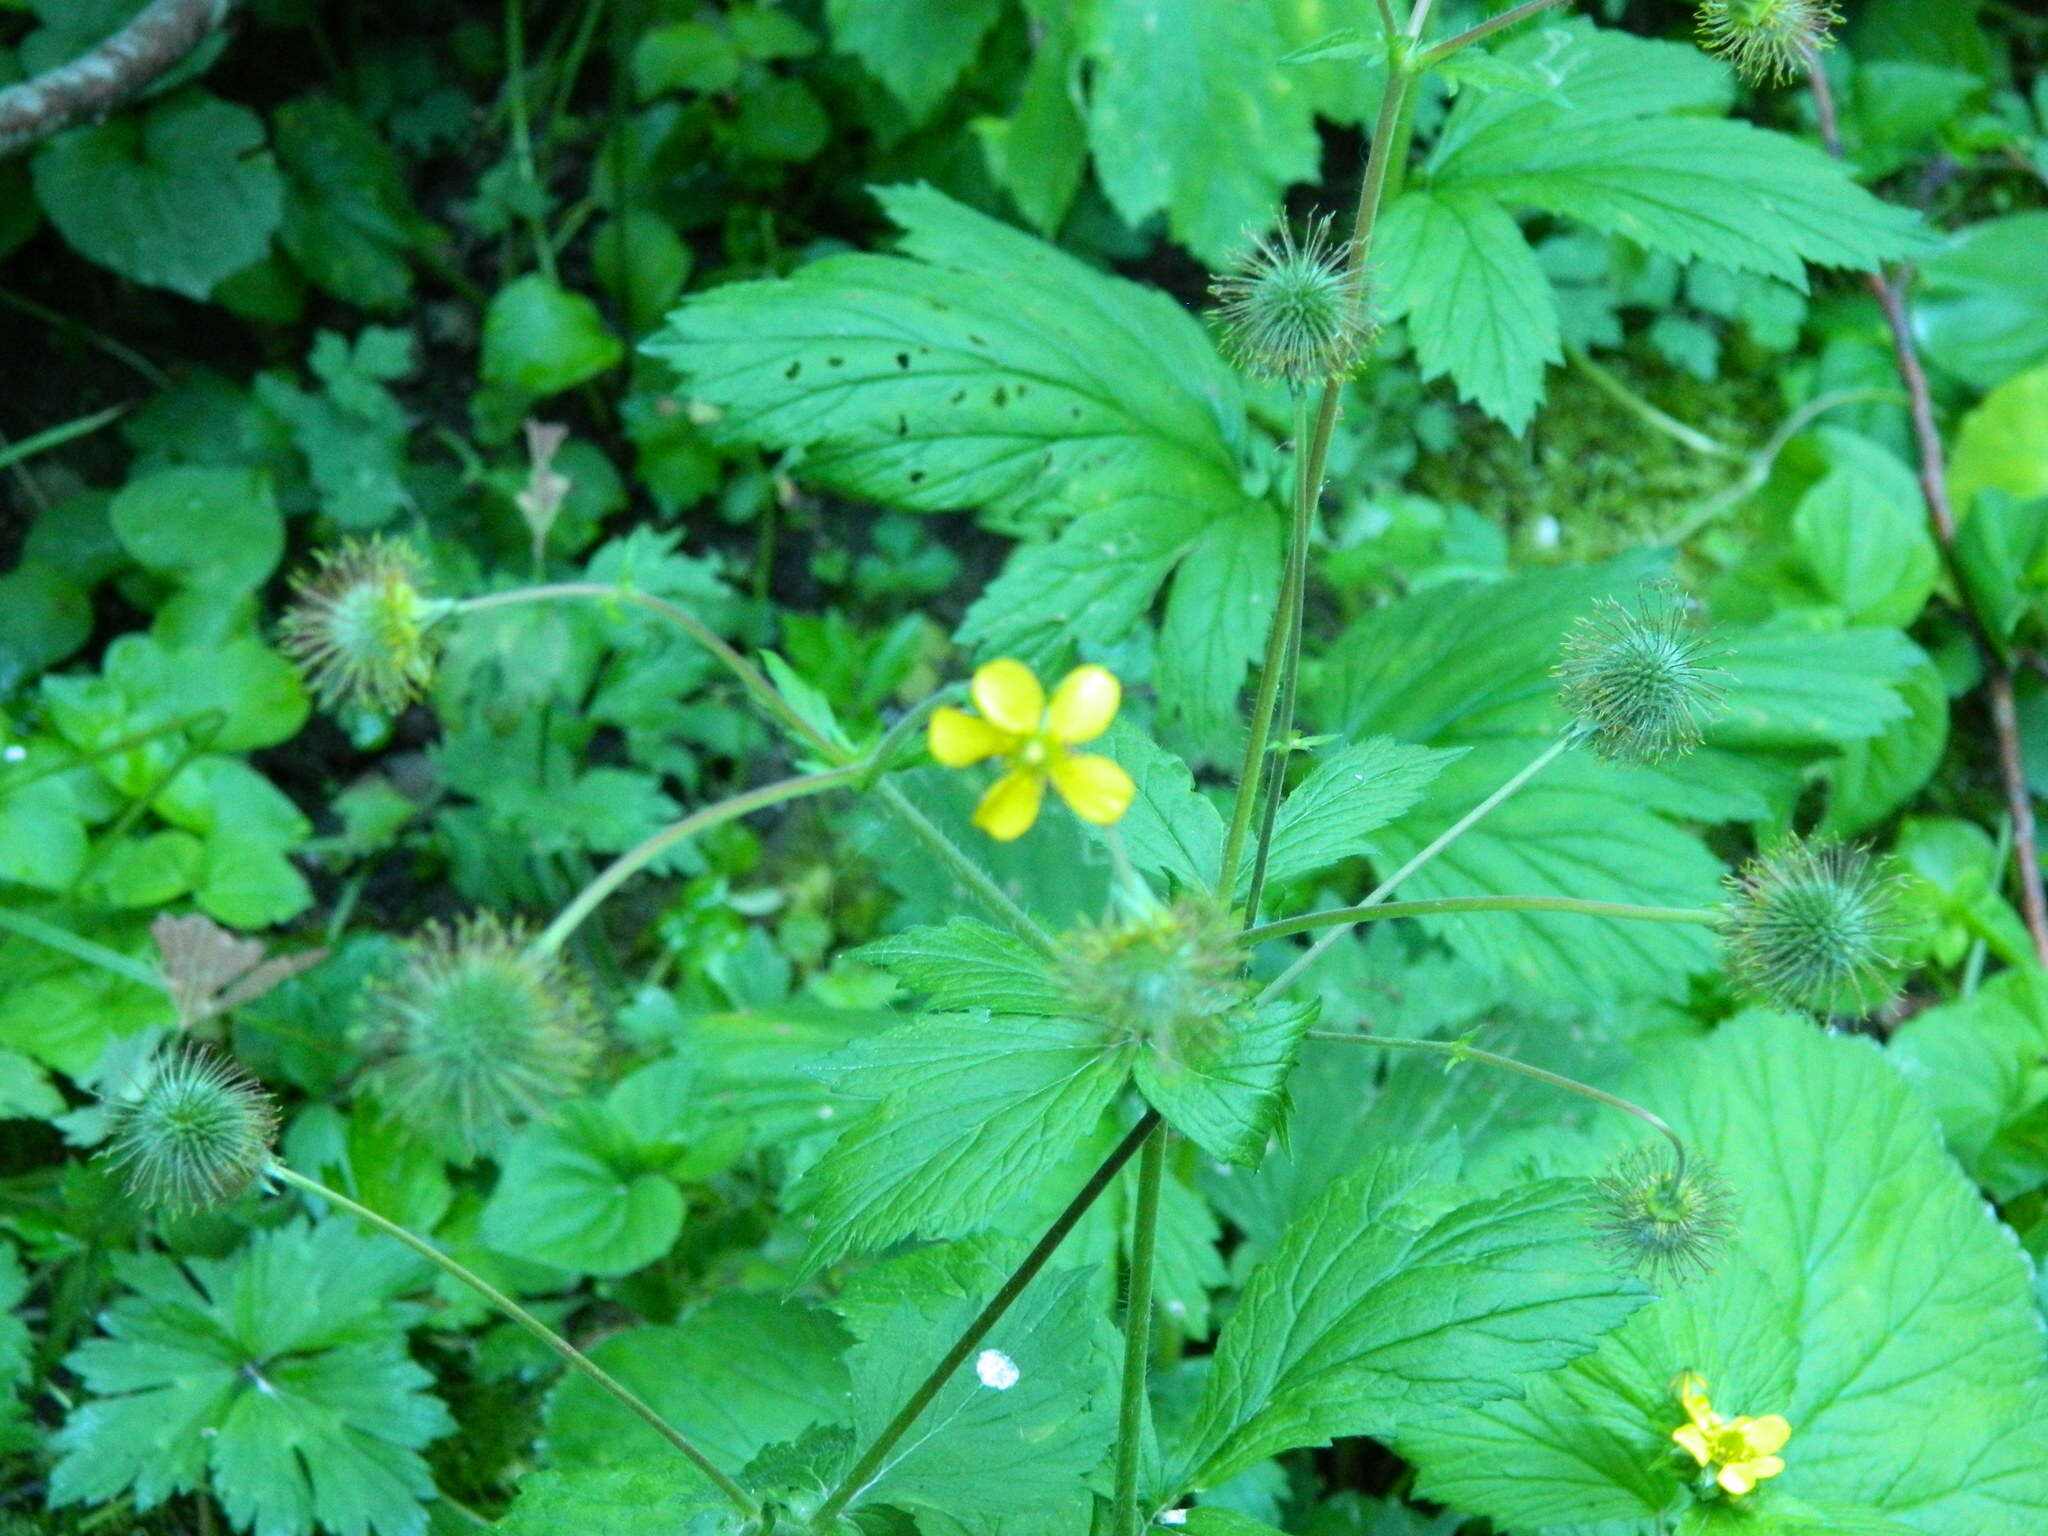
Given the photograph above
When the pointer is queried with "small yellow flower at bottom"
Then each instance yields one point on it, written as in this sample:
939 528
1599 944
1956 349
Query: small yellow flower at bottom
1742 1449
1034 737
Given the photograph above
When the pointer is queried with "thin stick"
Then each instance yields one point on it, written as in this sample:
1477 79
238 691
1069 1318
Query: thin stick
630 863
158 38
50 936
965 870
1616 389
1933 476
1127 1520
569 1353
1443 840
855 1482
1471 35
1445 905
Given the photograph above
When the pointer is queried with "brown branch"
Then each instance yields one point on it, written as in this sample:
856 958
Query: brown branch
1941 518
161 35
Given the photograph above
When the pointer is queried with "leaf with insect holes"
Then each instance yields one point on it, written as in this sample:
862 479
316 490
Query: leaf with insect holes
982 368
278 1378
967 1112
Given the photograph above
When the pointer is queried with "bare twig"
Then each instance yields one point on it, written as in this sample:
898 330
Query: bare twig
101 79
1941 518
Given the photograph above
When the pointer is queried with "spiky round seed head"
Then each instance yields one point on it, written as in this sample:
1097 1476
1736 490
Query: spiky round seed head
1292 309
1814 926
1767 40
476 1034
1638 683
191 1131
1665 1216
361 628
1169 975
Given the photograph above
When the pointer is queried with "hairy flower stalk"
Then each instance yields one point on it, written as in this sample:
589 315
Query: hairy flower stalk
1814 926
192 1131
1767 40
361 628
1637 683
477 1033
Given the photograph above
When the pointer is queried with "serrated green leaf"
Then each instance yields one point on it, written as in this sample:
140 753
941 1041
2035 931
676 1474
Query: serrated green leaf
1789 687
349 221
1218 613
277 1377
1191 114
647 1498
1456 267
1387 1303
1870 552
1017 1427
1909 1344
969 1112
1981 1064
1353 792
916 50
737 1374
180 194
1222 1082
967 965
1171 828
540 338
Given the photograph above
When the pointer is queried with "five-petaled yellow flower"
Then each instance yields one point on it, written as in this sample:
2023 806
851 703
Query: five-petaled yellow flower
1034 737
1744 1449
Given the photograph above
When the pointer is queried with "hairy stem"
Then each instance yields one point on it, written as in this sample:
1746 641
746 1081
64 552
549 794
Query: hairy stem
1616 389
1941 518
1459 1050
630 863
1487 28
1443 840
522 134
964 869
569 1353
1130 1428
870 1464
1704 917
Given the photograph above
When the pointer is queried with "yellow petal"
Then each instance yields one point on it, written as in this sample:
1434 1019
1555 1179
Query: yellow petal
1761 1467
1083 705
1011 805
1007 693
958 739
1766 1435
1736 1479
1692 1395
1695 1443
1097 789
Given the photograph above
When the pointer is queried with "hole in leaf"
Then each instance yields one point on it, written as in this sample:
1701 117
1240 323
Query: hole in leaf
902 359
792 370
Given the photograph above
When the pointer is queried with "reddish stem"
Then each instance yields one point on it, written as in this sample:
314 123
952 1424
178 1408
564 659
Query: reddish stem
1933 476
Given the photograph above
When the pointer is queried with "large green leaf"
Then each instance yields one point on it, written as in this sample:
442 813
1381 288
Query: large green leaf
1388 1302
278 1377
1349 795
1190 115
1222 1082
1870 1297
1981 1064
967 1112
918 51
179 195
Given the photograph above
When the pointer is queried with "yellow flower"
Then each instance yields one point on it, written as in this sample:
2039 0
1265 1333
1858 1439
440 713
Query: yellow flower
1744 1449
1034 737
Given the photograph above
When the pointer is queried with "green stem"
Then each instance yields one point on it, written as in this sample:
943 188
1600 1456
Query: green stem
1459 1050
570 1354
1764 459
750 676
1487 28
965 870
1704 917
1616 389
1265 701
50 936
522 133
1130 1429
57 436
870 1464
1443 840
630 863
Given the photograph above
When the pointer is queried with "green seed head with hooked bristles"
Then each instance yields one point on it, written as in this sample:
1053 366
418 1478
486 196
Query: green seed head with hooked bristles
1637 683
1767 40
360 627
1665 1216
477 1034
192 1131
1293 310
1815 926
